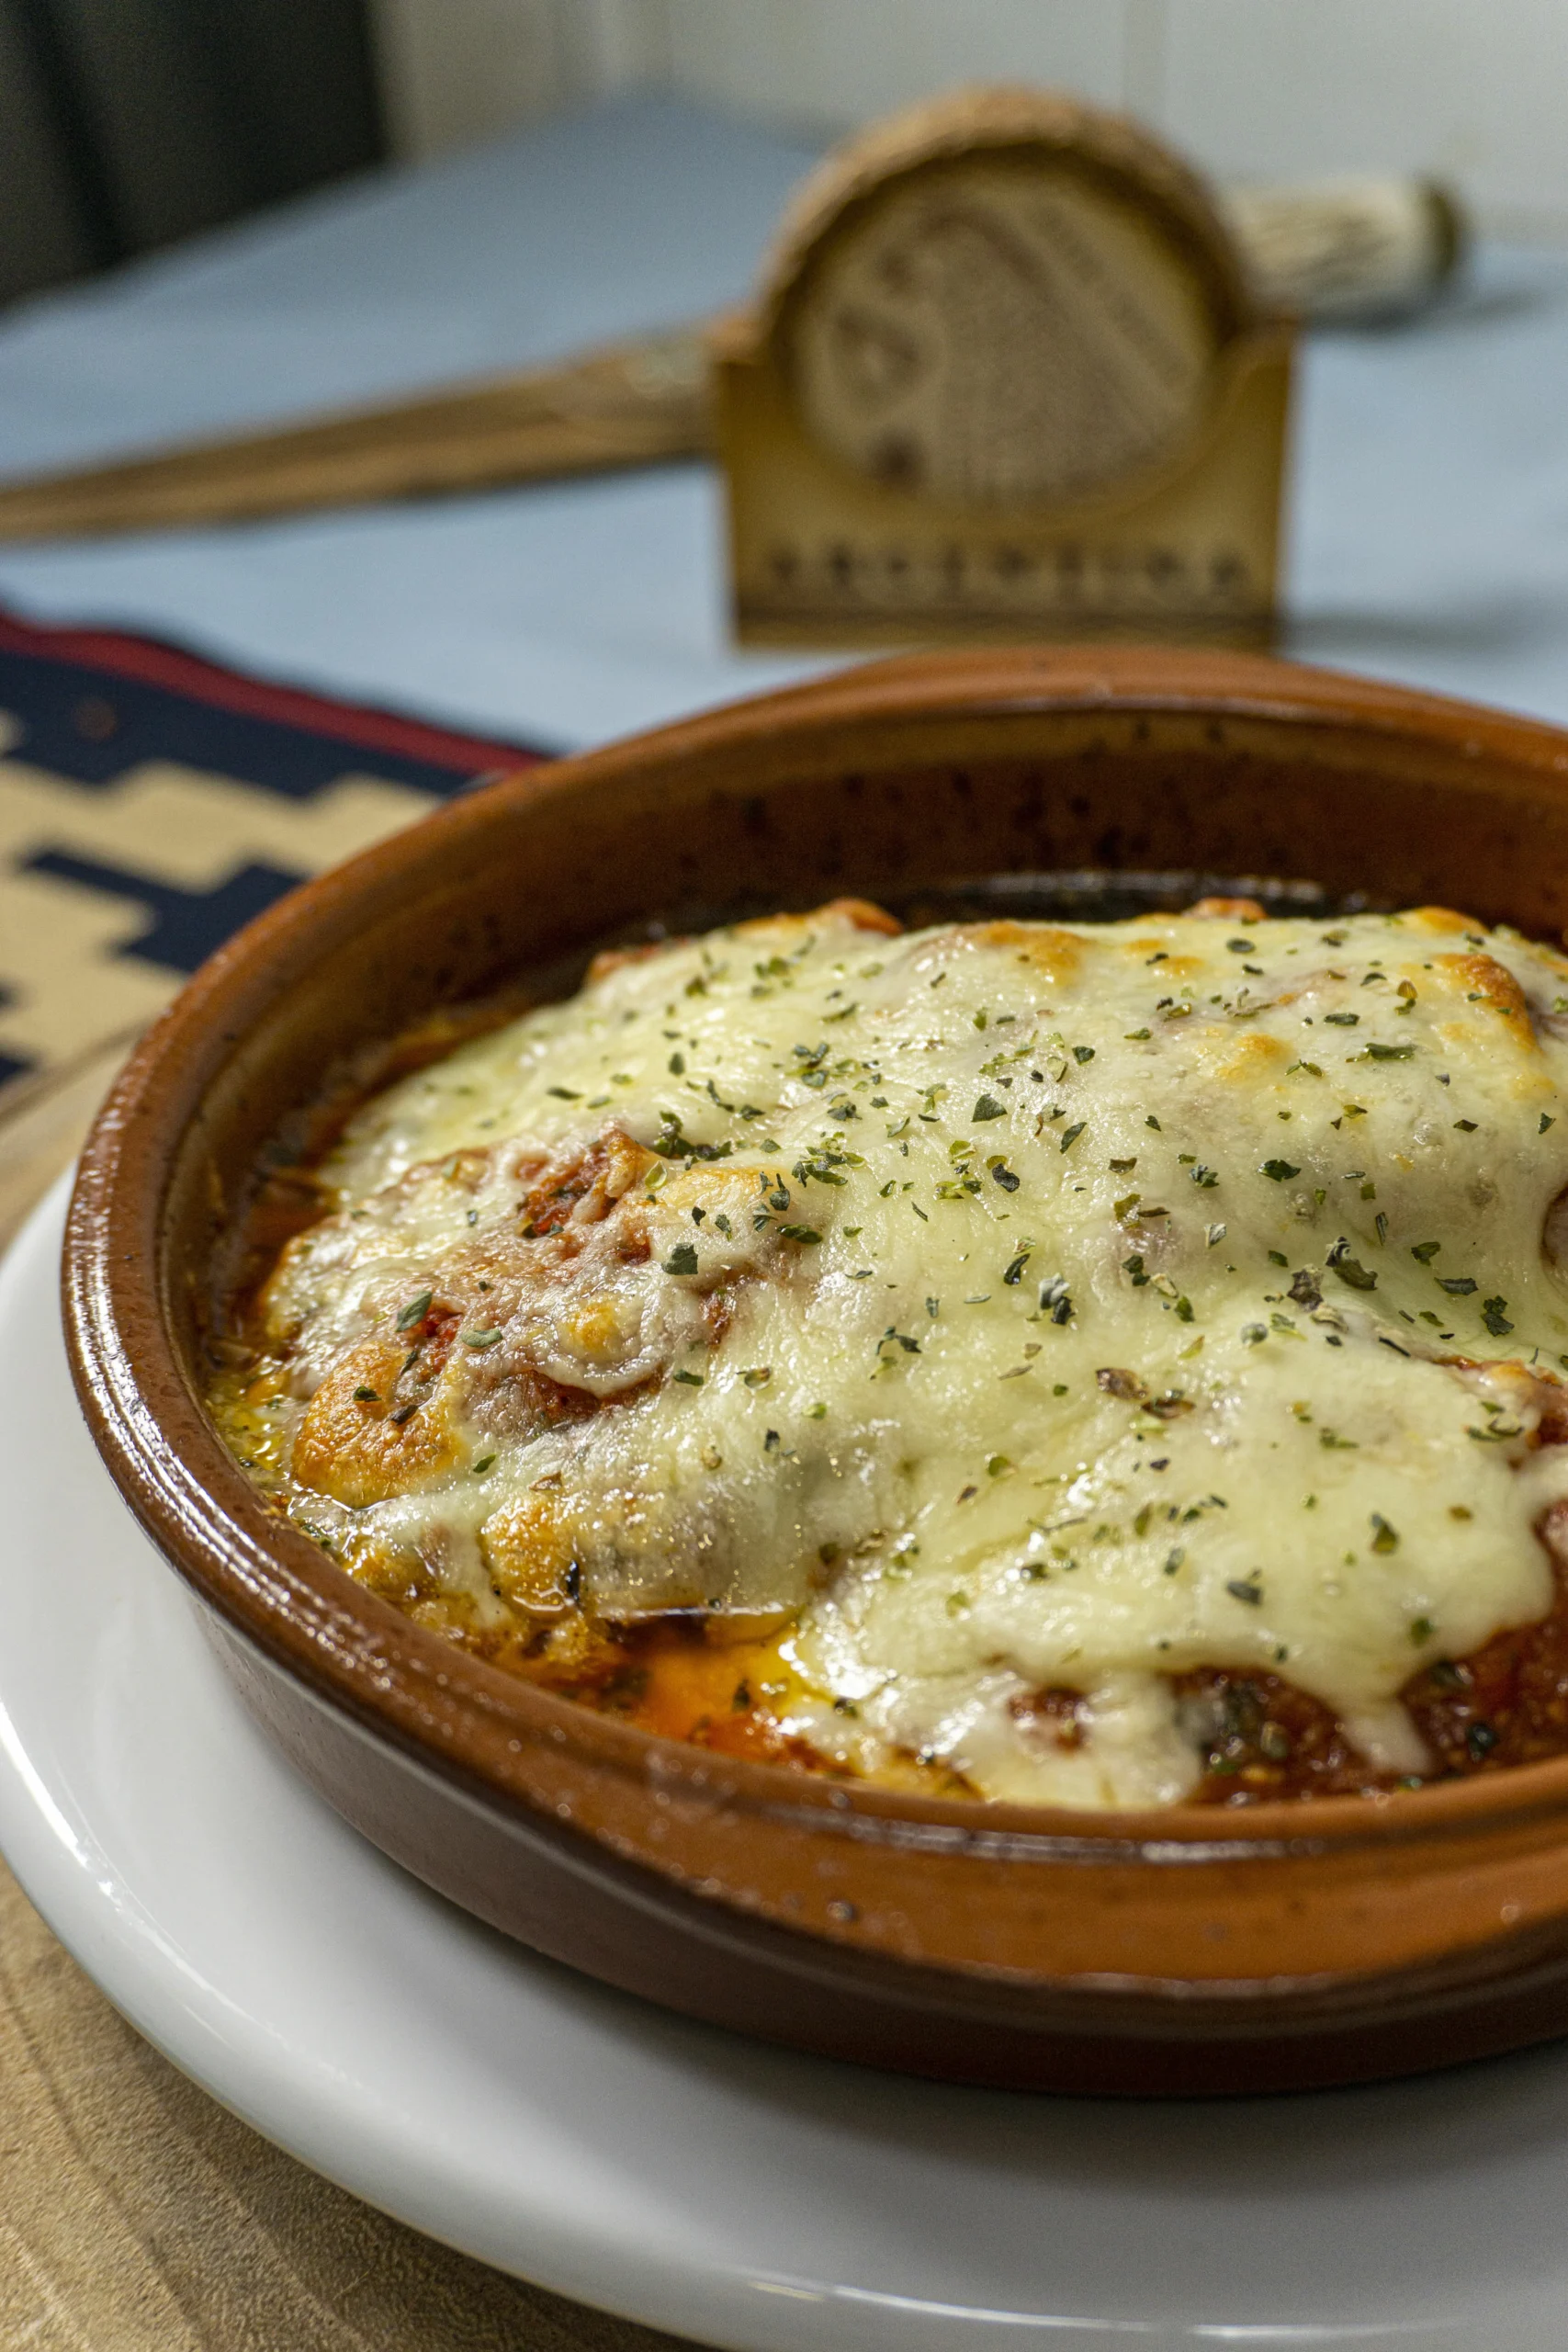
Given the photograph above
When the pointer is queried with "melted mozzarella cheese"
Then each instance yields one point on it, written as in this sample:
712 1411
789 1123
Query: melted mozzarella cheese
1006 1307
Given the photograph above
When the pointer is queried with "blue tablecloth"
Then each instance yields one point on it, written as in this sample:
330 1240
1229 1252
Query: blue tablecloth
1428 530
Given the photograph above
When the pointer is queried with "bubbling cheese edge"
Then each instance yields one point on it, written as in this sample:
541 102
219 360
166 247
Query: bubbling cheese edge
1020 1307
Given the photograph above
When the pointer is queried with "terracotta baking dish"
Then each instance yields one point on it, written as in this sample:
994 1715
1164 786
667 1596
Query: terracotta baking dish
1190 1951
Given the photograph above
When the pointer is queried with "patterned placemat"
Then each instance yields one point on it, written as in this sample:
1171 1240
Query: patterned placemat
150 803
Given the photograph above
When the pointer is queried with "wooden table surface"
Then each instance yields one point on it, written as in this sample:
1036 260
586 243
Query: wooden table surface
138 2215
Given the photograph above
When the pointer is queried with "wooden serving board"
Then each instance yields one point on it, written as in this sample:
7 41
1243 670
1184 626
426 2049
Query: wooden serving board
138 2215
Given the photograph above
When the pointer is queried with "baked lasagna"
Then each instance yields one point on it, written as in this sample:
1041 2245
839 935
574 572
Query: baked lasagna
1083 1364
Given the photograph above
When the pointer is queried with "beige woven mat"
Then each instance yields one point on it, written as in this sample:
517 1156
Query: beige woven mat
137 2215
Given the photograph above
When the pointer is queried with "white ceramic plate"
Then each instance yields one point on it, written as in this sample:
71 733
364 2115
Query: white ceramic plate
698 2182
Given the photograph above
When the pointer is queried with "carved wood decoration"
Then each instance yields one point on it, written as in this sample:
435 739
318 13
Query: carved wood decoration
1005 375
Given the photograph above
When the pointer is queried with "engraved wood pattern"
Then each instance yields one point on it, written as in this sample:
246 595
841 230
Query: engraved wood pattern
1004 376
999 332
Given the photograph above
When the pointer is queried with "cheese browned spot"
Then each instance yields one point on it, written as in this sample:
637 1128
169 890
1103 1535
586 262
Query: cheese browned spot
529 1551
1227 910
1040 947
1073 1363
361 1439
859 913
1482 980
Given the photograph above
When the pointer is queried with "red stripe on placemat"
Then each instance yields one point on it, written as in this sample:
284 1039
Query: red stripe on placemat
156 665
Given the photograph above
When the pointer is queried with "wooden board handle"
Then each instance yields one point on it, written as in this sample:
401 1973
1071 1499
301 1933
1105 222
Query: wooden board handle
625 406
1332 251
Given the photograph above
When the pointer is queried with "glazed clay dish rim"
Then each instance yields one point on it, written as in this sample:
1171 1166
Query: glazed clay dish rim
474 1724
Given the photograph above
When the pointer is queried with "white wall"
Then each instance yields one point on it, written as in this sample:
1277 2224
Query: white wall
1476 90
456 70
